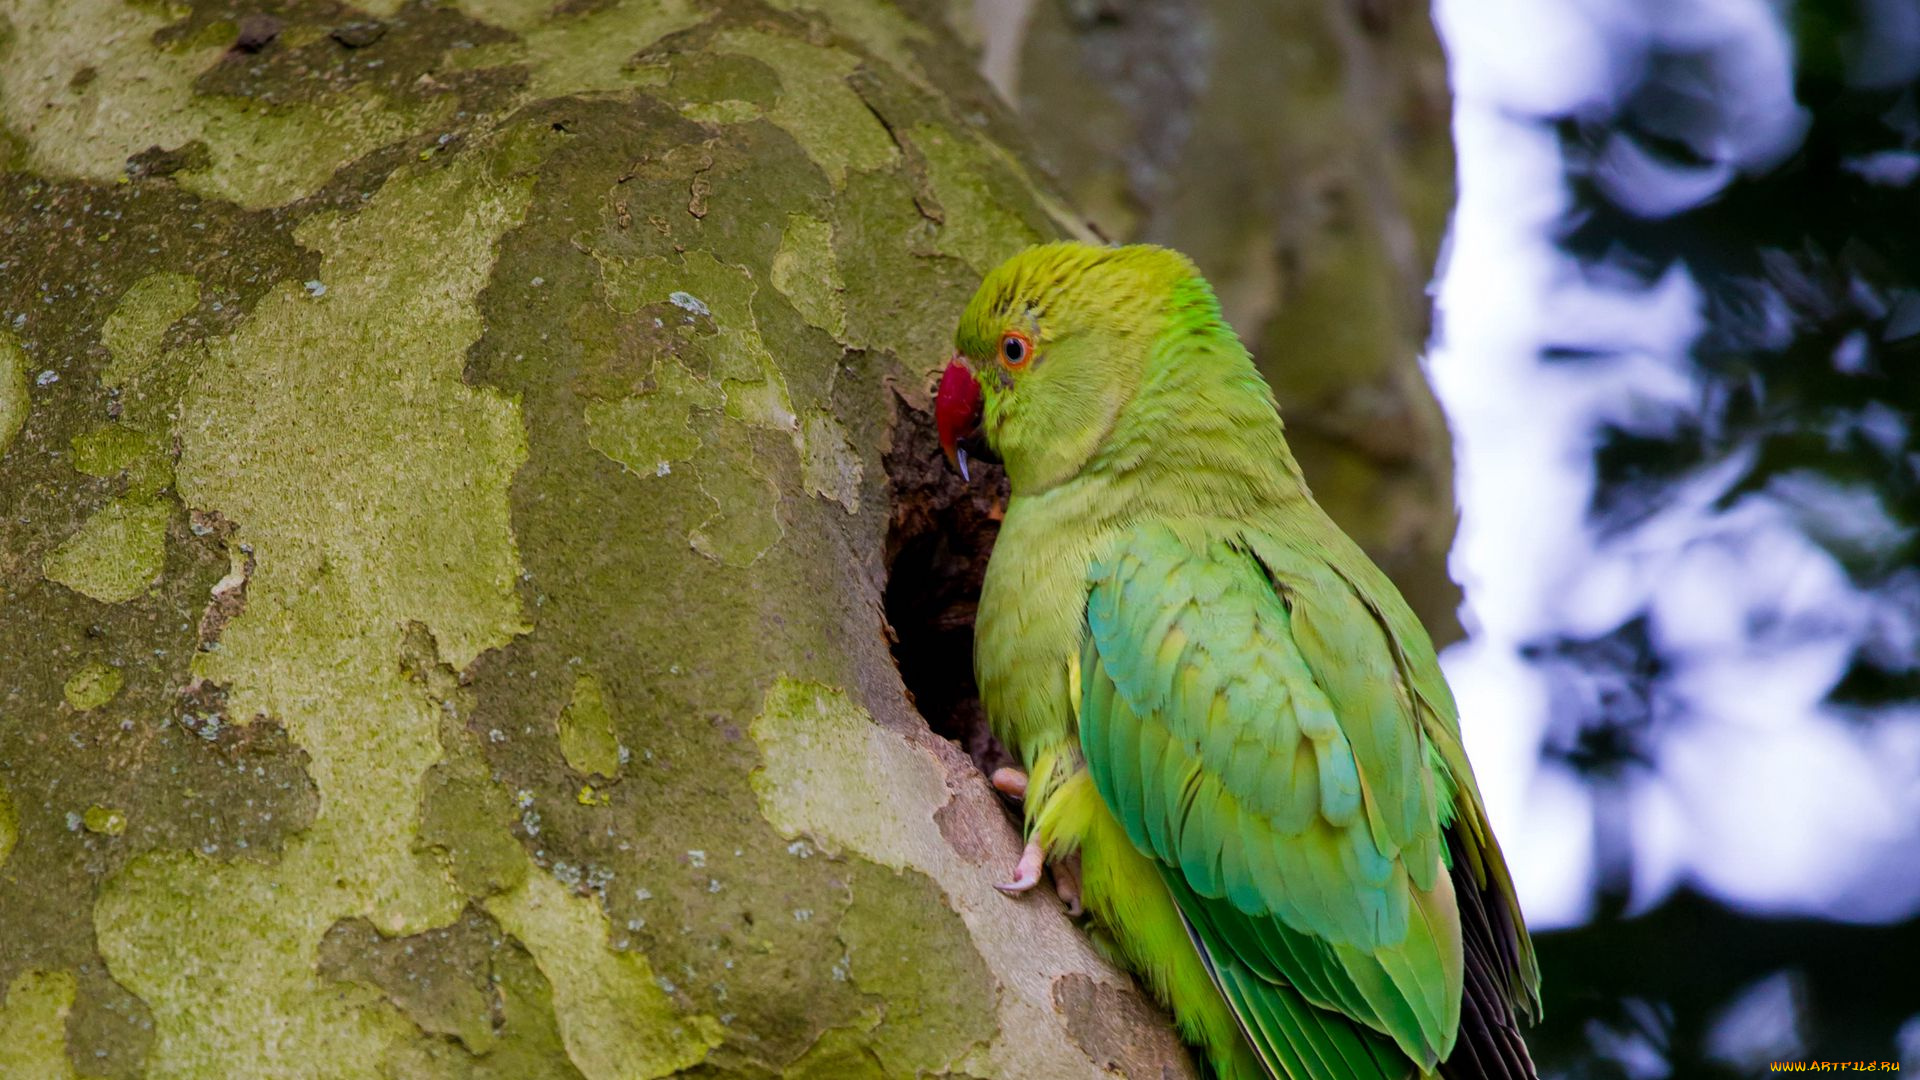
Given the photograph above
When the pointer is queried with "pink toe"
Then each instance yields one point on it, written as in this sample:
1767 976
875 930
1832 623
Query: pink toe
1027 874
1011 782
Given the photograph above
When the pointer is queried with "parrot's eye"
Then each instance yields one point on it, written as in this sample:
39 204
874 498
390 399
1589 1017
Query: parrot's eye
1015 349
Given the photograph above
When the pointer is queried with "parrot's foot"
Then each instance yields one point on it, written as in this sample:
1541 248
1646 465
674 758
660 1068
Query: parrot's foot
1009 782
1012 783
1027 873
1066 877
1066 882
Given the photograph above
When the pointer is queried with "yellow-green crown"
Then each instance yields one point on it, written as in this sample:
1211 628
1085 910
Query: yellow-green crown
1062 285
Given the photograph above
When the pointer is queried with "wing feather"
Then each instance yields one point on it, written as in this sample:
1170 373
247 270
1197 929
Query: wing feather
1265 778
1486 885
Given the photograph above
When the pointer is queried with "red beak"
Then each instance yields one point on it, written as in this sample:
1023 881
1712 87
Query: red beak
956 414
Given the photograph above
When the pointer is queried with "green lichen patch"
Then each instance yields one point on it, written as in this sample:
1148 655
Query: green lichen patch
168 925
116 554
712 88
931 1013
724 111
586 730
975 225
303 421
465 815
104 821
132 333
884 811
266 144
880 29
273 156
438 978
651 432
33 1026
112 449
15 398
105 450
49 43
746 521
805 272
840 1053
807 732
93 686
515 15
761 403
903 296
574 53
830 465
704 291
816 106
615 1018
526 1043
315 59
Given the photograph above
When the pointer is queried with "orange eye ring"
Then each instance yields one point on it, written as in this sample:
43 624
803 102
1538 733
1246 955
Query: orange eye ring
1016 349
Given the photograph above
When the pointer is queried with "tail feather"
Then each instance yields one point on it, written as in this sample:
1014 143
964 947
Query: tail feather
1293 1038
1489 1046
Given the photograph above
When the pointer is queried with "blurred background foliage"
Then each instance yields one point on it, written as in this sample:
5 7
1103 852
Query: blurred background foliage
1701 233
1806 260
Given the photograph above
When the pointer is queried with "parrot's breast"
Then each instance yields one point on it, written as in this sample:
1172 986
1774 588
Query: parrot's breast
1032 620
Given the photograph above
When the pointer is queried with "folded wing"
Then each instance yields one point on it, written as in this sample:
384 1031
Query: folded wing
1245 717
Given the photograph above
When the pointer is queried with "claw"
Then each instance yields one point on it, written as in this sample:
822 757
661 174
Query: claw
1027 874
1009 782
1066 882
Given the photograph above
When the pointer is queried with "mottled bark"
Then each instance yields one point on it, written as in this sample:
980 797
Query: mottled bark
442 529
1300 152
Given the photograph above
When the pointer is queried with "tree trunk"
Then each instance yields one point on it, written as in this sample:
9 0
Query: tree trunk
444 530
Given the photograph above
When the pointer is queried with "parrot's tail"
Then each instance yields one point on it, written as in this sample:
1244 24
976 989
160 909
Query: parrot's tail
1489 1046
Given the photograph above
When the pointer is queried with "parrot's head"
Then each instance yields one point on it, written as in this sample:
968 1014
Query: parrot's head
1050 351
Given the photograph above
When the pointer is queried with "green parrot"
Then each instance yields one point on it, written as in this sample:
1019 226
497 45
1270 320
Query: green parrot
1222 706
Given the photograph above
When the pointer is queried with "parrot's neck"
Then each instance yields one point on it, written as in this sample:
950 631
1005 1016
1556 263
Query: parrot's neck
1201 435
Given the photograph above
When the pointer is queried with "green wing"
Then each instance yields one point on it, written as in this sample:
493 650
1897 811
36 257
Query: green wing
1503 977
1249 727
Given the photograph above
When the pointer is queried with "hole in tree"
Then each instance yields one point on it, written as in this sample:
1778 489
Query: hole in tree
938 540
